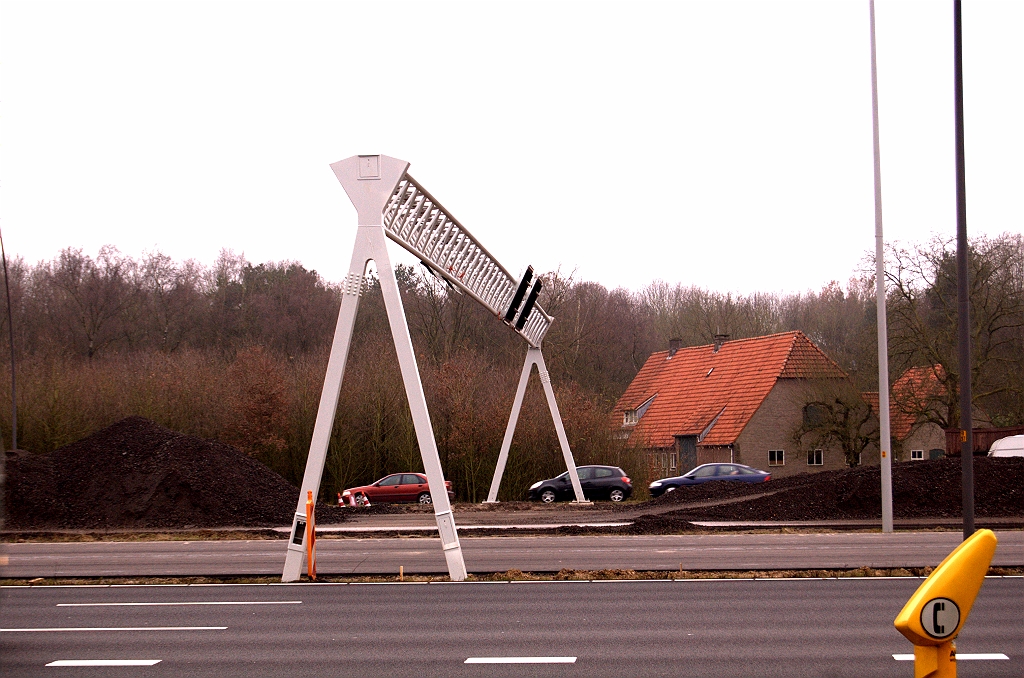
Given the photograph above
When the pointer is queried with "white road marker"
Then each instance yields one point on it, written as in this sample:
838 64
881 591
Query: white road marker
222 602
58 629
104 662
959 657
521 660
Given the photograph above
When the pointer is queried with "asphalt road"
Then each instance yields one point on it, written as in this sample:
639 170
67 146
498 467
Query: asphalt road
686 628
499 554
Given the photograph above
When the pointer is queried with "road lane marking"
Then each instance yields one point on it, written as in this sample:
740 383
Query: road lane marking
104 662
521 660
959 657
58 629
221 602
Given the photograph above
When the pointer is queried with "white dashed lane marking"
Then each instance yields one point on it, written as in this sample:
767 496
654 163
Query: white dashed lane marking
959 657
104 662
58 629
221 602
521 660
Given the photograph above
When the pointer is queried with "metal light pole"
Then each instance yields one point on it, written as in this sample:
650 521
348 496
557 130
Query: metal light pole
884 435
962 286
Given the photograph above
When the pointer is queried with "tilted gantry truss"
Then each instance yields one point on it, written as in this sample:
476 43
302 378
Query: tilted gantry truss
390 204
416 220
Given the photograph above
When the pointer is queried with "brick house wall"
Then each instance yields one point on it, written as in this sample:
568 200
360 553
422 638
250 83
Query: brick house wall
929 438
772 427
663 462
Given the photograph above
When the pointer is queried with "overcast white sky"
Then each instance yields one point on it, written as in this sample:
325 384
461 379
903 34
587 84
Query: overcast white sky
720 144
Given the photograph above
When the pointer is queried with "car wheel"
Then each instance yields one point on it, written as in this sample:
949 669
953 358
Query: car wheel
548 496
425 498
670 489
360 500
616 495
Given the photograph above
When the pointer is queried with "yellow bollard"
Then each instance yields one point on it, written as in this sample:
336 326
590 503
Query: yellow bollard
937 611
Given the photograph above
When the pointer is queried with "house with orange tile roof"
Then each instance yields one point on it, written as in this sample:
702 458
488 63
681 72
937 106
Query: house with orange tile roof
916 391
730 401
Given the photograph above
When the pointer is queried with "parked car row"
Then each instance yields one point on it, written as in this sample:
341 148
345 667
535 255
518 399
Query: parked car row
597 482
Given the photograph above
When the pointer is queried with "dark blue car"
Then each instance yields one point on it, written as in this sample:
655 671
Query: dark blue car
708 472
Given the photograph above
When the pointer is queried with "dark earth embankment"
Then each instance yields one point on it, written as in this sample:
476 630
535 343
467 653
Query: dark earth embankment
920 489
137 474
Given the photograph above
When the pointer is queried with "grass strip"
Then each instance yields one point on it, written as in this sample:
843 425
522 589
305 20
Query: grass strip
512 575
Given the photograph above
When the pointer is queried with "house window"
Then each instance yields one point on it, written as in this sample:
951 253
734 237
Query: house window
814 458
776 458
672 459
664 460
632 417
917 455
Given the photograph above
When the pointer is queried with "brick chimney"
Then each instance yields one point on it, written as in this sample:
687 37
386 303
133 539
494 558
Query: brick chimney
719 340
673 346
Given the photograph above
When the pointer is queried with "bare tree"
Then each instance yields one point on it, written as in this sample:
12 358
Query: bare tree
92 296
923 309
836 414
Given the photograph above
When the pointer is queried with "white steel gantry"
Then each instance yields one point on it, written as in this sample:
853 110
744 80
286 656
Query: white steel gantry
391 203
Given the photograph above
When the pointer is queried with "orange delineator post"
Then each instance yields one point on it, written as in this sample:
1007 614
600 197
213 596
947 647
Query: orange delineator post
310 537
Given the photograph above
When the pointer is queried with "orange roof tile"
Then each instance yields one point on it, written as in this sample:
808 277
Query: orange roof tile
697 384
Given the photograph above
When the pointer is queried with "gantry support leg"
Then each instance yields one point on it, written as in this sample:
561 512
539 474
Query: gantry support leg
420 415
369 180
534 356
328 404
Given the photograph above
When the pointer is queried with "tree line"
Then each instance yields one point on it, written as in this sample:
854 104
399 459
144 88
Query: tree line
237 351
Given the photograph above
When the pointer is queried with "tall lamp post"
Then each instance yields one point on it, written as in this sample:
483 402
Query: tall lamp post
962 283
884 436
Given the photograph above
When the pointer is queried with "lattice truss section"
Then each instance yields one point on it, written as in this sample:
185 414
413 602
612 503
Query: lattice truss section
416 220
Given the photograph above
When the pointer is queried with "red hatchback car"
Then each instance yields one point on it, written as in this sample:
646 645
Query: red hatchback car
395 488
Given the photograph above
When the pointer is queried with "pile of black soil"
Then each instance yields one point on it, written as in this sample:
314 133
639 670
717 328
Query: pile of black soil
922 489
137 474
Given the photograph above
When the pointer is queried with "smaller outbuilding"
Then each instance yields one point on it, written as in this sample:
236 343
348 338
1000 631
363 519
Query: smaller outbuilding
917 391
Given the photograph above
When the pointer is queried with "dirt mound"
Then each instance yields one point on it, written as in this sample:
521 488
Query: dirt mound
929 489
137 474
